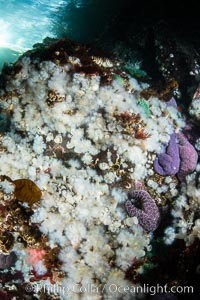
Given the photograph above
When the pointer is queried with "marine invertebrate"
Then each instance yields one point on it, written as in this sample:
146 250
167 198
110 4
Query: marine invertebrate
6 242
46 264
4 121
140 133
144 104
171 102
90 144
197 144
127 118
119 79
4 295
188 157
163 91
27 191
6 261
102 62
35 255
194 109
191 131
168 162
148 215
53 98
16 218
132 125
135 71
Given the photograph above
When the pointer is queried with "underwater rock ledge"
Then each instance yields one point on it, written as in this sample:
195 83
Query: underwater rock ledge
81 131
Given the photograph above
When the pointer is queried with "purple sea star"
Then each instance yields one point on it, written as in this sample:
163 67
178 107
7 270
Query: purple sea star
172 102
191 131
188 157
148 215
168 163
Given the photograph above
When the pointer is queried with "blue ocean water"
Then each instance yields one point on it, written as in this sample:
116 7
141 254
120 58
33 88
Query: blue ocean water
24 23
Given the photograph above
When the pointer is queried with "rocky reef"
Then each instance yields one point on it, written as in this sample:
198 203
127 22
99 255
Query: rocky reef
96 179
